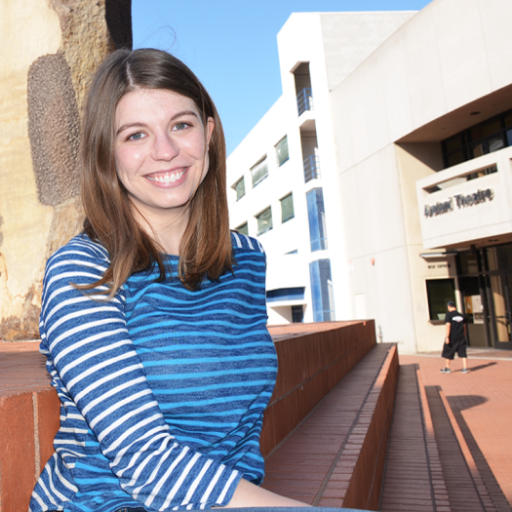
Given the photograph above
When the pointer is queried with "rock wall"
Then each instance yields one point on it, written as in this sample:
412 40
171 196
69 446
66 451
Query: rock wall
49 50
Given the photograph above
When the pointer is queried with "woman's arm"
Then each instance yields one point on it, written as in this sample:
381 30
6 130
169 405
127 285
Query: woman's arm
250 495
94 362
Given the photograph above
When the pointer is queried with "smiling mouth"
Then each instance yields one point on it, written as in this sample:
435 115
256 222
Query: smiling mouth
167 177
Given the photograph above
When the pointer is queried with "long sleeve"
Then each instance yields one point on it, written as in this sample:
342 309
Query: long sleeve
92 359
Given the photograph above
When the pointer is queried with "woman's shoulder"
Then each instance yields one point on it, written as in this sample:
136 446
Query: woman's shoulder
81 247
245 242
79 252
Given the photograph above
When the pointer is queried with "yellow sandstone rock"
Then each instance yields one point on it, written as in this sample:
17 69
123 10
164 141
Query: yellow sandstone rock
49 49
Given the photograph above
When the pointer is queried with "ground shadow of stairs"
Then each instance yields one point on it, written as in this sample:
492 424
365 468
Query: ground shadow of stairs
433 462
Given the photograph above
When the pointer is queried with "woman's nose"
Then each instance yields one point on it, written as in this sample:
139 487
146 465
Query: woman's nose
164 147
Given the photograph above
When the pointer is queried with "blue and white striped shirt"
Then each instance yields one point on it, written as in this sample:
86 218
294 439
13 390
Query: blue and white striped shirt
162 389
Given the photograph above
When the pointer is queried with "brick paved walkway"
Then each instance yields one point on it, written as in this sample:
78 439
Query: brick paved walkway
407 484
481 402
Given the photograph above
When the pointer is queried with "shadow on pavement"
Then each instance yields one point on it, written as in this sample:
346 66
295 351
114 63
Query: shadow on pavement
480 367
459 404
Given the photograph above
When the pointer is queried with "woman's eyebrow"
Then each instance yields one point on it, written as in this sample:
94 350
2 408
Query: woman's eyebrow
184 113
140 124
125 126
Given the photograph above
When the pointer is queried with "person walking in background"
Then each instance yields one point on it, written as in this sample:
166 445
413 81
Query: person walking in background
455 340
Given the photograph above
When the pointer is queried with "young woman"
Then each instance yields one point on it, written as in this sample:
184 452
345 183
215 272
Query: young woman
153 319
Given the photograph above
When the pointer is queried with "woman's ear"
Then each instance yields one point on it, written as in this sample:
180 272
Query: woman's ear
210 126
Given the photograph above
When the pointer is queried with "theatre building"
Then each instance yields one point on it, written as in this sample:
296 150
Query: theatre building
380 183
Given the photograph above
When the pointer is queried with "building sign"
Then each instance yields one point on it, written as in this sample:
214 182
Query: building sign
460 201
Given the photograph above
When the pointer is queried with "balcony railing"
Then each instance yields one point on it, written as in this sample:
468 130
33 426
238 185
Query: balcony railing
311 168
305 100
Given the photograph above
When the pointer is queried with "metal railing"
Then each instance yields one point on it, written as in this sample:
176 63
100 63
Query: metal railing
305 100
311 168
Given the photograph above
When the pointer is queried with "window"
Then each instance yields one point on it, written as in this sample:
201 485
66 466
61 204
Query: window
285 294
439 292
311 168
287 208
322 290
282 153
480 139
316 217
239 187
243 228
264 221
297 314
259 172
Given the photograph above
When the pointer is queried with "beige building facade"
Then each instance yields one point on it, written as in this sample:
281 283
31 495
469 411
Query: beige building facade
423 135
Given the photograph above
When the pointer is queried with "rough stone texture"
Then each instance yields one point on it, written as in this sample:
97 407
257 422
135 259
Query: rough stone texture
27 31
24 326
54 129
86 39
67 221
61 42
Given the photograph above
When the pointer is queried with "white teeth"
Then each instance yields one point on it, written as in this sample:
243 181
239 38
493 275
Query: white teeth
167 178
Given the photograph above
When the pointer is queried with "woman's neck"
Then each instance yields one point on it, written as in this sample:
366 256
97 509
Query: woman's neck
166 230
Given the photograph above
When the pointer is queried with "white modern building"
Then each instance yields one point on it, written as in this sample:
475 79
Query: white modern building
380 182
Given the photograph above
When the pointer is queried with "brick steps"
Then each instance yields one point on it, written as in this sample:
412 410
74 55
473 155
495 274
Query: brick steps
335 457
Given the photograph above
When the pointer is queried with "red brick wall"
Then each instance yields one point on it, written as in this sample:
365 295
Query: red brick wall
28 423
313 358
365 484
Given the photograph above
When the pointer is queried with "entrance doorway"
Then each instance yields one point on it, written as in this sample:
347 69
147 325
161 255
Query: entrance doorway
485 282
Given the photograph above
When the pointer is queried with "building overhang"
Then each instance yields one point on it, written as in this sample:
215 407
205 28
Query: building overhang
462 118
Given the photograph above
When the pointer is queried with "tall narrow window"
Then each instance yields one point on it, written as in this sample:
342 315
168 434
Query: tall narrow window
239 187
264 221
243 228
287 208
282 153
322 290
316 218
259 172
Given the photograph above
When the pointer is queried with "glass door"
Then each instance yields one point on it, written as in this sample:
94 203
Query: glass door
473 310
499 261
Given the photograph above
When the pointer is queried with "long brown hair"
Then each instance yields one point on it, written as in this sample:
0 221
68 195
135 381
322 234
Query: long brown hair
205 249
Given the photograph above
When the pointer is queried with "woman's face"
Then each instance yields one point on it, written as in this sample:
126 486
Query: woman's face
160 149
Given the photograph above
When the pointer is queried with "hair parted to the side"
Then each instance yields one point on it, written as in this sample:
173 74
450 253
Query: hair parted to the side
205 249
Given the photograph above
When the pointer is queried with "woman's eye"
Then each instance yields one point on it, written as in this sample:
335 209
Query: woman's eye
181 126
136 136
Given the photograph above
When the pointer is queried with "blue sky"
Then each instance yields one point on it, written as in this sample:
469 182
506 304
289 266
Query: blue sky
231 46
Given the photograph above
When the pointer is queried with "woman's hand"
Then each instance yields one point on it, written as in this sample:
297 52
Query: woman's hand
250 495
